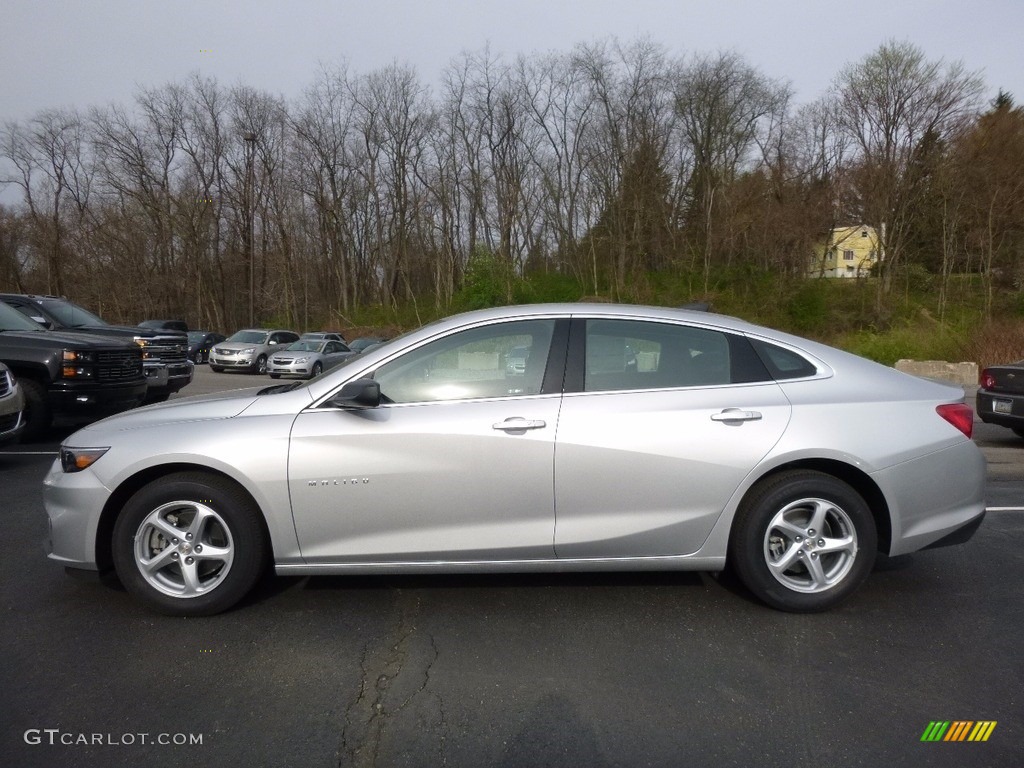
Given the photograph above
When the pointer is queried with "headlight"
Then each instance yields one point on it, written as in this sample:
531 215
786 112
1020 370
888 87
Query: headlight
74 356
248 351
301 359
77 459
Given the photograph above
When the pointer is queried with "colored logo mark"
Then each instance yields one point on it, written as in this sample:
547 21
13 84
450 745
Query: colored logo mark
958 730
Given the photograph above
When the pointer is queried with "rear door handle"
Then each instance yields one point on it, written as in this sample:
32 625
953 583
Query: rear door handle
518 424
735 414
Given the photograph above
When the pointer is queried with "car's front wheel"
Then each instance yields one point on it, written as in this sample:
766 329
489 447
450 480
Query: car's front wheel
189 544
803 541
261 365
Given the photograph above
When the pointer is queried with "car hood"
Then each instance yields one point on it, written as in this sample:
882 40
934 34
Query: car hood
219 405
238 344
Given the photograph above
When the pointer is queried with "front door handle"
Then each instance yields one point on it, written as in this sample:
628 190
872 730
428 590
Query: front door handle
735 414
518 424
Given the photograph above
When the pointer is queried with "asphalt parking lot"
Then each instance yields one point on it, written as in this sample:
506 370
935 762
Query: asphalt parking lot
553 670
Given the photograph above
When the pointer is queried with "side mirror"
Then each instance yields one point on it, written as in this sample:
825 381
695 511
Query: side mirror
361 394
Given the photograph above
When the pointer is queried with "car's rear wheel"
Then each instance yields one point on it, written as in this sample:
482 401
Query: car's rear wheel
803 541
189 544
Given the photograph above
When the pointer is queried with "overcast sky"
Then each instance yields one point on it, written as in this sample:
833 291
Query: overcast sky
83 53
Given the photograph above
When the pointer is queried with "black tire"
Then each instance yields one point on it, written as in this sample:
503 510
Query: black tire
216 368
161 398
211 513
261 365
1018 431
818 564
317 370
38 414
275 375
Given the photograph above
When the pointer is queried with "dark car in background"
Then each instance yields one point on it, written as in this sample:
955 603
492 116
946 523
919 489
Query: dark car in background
200 343
164 360
1001 396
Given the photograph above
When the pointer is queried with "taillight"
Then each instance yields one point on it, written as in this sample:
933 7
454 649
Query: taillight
959 415
987 380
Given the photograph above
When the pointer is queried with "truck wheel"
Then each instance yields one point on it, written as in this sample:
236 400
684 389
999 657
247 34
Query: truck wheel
38 415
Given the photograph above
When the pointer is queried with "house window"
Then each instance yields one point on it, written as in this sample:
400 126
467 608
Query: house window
849 269
864 233
847 255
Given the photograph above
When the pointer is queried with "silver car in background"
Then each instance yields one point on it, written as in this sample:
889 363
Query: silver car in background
307 358
633 438
249 349
12 407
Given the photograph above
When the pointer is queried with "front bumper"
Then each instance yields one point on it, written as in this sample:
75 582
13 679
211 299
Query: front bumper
74 399
74 503
232 361
304 370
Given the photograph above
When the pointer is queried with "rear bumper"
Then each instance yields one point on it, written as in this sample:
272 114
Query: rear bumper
936 499
985 406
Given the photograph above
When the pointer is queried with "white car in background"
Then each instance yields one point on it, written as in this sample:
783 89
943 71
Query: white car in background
665 439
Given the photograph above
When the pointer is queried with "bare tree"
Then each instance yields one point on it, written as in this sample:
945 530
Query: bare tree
887 105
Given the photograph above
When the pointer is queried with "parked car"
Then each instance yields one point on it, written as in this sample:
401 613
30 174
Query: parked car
200 343
12 406
68 376
164 360
362 344
322 336
165 325
1000 397
307 358
731 444
249 349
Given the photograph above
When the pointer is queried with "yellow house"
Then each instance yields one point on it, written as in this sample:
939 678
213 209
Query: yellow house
850 252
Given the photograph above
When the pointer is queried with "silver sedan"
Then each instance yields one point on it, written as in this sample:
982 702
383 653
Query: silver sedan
307 358
631 438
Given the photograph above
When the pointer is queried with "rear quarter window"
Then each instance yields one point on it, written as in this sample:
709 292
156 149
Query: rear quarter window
783 363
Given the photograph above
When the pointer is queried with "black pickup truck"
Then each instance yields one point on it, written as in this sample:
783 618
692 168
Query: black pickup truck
72 376
164 352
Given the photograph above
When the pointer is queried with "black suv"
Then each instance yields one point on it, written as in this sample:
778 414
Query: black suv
164 353
68 375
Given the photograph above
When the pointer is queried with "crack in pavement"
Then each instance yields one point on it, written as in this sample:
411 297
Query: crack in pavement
393 676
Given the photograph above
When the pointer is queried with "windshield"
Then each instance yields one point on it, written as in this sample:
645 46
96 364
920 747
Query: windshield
310 345
70 314
250 337
12 320
194 337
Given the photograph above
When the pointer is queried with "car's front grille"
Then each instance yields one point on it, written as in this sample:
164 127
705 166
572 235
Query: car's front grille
6 383
225 352
119 365
167 349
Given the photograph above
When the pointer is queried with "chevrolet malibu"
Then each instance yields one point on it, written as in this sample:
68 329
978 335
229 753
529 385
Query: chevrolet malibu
633 438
